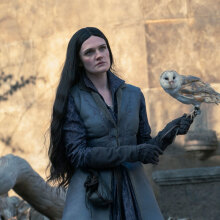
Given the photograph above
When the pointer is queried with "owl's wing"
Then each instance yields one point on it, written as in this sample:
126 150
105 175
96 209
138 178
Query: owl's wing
195 89
189 79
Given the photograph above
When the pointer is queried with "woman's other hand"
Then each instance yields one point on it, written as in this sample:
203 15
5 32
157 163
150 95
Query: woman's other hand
149 153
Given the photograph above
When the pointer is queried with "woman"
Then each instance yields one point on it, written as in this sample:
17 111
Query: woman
99 123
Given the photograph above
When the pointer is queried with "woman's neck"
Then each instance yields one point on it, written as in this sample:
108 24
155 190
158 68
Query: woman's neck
100 81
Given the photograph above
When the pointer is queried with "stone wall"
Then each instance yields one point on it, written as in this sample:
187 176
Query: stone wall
147 37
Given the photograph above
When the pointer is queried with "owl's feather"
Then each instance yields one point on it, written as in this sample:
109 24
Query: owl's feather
190 79
193 88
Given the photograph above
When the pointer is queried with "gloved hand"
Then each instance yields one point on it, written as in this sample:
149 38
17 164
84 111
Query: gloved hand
166 137
184 124
149 153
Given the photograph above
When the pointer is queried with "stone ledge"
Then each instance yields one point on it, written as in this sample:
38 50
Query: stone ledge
187 176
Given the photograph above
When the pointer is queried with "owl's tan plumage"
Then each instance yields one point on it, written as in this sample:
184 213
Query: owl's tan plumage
199 91
188 89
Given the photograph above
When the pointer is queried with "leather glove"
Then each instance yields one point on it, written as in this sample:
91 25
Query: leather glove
149 153
166 137
184 124
180 125
105 157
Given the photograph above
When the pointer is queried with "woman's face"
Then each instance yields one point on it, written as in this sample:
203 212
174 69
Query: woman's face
94 55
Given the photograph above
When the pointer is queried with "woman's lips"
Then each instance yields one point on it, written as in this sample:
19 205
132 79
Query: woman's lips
100 63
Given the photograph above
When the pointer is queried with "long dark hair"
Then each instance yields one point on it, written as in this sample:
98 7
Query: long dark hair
60 169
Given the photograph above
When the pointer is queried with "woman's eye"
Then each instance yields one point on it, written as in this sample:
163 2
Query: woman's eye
89 52
102 48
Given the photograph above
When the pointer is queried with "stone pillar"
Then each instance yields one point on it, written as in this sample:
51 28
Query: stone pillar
201 138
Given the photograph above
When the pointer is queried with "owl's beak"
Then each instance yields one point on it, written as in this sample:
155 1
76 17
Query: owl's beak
171 82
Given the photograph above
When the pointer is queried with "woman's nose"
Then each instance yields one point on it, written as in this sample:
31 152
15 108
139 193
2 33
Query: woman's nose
98 54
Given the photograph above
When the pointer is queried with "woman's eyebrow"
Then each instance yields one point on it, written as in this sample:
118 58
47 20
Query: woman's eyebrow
88 49
92 48
102 45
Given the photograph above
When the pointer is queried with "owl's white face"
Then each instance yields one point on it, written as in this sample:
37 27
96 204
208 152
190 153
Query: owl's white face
170 79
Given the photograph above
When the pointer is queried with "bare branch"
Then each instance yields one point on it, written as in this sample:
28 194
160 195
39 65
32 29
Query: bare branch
17 174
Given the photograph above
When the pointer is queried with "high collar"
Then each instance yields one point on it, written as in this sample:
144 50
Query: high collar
114 82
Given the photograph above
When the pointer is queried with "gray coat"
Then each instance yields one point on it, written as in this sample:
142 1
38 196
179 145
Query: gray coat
103 131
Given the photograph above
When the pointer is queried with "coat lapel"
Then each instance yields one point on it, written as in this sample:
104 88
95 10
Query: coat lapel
102 106
119 101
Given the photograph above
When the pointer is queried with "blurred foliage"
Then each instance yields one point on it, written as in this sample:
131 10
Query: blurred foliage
9 85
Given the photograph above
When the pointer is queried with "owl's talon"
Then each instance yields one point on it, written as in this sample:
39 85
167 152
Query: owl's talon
191 115
194 113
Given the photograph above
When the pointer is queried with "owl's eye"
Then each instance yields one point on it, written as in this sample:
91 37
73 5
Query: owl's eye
166 78
174 77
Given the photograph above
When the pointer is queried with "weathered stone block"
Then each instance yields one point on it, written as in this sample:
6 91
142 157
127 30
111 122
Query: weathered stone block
192 193
8 26
185 47
104 12
204 8
130 58
154 10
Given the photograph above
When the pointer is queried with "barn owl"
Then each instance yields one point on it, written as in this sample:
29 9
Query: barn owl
188 90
